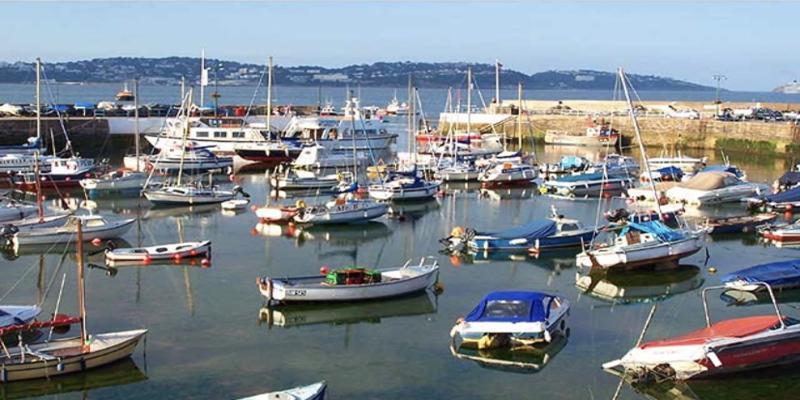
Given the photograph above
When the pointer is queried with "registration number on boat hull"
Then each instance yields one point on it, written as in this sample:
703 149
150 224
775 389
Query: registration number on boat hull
295 292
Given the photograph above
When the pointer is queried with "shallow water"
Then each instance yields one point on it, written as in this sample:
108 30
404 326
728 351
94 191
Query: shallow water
210 339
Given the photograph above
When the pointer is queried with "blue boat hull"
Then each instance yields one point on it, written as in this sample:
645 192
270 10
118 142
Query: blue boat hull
549 242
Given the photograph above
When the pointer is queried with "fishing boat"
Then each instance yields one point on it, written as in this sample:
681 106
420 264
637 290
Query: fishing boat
160 252
52 358
781 233
508 174
120 181
189 194
295 179
17 315
588 184
351 283
96 227
739 224
315 391
709 188
737 345
512 319
395 107
550 233
404 186
342 210
593 137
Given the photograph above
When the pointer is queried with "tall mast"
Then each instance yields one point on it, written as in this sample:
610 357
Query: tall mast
136 119
469 100
183 86
410 117
186 104
39 98
81 284
497 83
269 94
203 76
635 122
38 185
519 115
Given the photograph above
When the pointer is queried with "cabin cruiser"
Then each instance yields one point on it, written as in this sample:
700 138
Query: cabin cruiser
588 184
64 172
120 181
224 136
193 160
508 173
94 226
706 188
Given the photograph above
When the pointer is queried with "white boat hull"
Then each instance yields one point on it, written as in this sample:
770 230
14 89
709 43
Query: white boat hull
399 193
344 214
63 234
642 254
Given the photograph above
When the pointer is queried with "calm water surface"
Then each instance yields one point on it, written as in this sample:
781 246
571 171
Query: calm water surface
210 339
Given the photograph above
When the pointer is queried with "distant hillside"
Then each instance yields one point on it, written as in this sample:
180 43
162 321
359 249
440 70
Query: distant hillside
168 71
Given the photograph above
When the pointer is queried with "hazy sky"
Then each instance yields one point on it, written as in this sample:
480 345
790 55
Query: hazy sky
754 44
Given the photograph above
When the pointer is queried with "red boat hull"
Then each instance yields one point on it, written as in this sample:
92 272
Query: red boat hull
757 354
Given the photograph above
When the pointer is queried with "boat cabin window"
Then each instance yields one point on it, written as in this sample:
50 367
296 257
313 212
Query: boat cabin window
237 134
201 134
220 134
94 222
569 227
507 309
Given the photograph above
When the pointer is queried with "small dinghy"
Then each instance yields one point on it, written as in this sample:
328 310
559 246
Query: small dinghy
512 319
508 174
121 181
730 346
160 252
745 223
781 233
235 204
352 283
315 391
94 227
778 275
342 210
279 214
17 315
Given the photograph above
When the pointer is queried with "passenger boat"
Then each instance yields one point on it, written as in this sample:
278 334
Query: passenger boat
52 358
588 184
160 252
739 224
593 137
342 210
643 243
335 135
778 275
730 346
120 181
508 174
17 315
781 233
314 391
189 194
708 188
223 136
404 186
540 234
125 94
512 319
351 284
96 227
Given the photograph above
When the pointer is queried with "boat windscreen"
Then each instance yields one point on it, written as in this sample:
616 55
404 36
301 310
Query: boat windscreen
510 307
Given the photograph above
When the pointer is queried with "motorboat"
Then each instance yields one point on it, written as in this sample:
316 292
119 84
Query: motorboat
270 153
524 360
120 181
351 283
65 173
588 184
172 251
781 233
739 224
616 164
16 315
342 210
778 275
643 243
95 227
508 174
192 159
404 186
786 200
275 214
568 165
512 319
189 194
708 188
32 146
726 347
315 391
340 135
235 204
295 179
316 156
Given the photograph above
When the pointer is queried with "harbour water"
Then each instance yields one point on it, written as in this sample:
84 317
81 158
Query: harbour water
211 337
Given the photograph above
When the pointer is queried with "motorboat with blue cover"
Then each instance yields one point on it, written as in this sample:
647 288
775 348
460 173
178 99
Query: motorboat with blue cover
778 275
512 319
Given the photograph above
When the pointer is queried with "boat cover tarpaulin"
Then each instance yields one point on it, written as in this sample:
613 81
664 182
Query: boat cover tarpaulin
723 168
790 178
533 230
655 227
781 273
569 162
709 180
513 306
671 171
787 196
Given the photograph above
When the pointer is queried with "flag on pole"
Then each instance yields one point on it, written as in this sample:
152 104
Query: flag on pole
499 65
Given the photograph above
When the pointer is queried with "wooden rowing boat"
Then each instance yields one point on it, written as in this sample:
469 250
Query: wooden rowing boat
160 252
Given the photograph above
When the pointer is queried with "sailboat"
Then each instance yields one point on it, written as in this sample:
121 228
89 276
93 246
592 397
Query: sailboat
52 358
181 193
643 242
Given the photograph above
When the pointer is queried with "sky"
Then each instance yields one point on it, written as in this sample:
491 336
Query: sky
755 44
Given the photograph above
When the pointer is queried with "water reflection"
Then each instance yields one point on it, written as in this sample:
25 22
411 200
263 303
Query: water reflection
123 372
412 209
293 315
525 360
335 235
640 286
515 193
735 297
94 251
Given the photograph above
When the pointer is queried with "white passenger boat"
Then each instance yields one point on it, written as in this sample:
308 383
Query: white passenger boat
314 391
350 284
224 136
16 315
95 227
343 210
340 135
159 252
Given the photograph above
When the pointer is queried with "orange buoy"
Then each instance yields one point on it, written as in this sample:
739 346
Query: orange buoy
205 262
97 241
253 232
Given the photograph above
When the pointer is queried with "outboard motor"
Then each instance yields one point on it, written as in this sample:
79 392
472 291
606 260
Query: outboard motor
7 232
